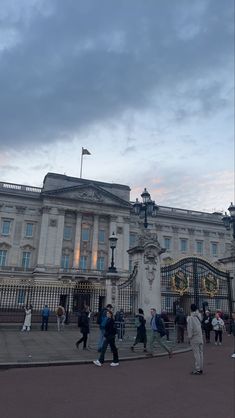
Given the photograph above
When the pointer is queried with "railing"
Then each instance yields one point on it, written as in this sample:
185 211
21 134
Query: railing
21 187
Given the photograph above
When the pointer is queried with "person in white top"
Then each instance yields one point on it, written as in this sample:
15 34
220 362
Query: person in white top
218 326
27 319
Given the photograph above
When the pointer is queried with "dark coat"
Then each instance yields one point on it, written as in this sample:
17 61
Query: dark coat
110 329
206 323
141 329
181 319
83 322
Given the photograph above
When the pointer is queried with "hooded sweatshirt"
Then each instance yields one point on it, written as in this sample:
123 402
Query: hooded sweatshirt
194 327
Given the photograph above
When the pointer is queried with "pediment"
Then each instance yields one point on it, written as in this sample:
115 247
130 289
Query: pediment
88 193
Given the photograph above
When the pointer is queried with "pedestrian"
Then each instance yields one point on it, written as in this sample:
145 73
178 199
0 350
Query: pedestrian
60 317
232 324
218 326
120 324
166 321
101 321
28 318
181 323
45 318
158 333
141 336
194 329
206 325
109 340
83 323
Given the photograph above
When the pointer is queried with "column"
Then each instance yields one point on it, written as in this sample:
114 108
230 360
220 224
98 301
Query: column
59 237
94 253
126 240
77 241
43 237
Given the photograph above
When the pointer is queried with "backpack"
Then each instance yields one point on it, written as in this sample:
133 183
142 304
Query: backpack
60 311
102 318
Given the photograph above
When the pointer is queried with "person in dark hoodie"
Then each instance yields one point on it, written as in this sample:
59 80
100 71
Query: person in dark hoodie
141 336
109 340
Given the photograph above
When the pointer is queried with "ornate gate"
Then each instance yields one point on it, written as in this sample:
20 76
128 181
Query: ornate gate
194 280
128 294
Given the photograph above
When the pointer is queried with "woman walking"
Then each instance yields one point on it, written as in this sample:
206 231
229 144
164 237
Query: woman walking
218 325
141 336
109 340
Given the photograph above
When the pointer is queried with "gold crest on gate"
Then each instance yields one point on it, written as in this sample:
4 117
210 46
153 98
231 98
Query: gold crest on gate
210 285
180 283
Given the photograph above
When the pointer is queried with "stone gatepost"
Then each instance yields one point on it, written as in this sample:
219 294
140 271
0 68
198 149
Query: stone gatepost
146 255
111 289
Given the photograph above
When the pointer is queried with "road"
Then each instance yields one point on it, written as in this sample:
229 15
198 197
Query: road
158 387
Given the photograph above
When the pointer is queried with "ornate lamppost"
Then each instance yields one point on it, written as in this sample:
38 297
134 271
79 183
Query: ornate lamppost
113 243
229 221
145 208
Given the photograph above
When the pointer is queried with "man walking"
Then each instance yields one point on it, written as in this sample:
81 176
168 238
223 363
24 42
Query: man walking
158 332
194 330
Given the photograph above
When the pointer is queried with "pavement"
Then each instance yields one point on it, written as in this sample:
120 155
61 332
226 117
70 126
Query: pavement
44 348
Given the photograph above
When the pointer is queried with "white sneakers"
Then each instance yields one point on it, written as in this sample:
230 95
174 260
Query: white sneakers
98 363
233 355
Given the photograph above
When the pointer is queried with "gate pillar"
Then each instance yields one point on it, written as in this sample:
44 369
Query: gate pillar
111 289
146 255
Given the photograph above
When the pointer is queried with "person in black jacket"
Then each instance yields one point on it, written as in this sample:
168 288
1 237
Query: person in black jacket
141 337
109 339
206 325
83 323
158 333
181 323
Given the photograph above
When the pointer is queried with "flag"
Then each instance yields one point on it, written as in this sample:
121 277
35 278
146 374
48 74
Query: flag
85 151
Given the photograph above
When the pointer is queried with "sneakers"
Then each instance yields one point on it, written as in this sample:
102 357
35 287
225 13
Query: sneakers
196 372
132 348
233 355
114 364
97 363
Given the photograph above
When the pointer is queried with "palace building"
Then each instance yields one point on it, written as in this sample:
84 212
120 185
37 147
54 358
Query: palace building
60 233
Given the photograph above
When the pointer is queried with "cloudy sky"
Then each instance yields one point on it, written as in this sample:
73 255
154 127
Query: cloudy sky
145 86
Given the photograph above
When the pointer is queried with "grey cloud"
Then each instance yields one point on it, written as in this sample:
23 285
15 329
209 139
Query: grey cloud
77 63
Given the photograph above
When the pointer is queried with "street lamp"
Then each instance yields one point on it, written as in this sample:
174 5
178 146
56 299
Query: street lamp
230 220
145 208
113 243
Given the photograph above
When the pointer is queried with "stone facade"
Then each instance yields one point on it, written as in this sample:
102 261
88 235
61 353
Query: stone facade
62 230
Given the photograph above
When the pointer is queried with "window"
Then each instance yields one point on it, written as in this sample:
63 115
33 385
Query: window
167 243
6 227
199 247
183 245
3 257
65 261
132 240
29 230
214 249
83 262
100 263
21 296
26 259
67 232
101 236
85 234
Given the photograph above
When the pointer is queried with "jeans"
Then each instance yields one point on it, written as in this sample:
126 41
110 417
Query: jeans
101 339
218 336
111 343
44 323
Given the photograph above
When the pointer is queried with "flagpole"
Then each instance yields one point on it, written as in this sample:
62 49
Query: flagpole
81 164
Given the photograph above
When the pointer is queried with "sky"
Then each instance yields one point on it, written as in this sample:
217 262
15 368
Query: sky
146 86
